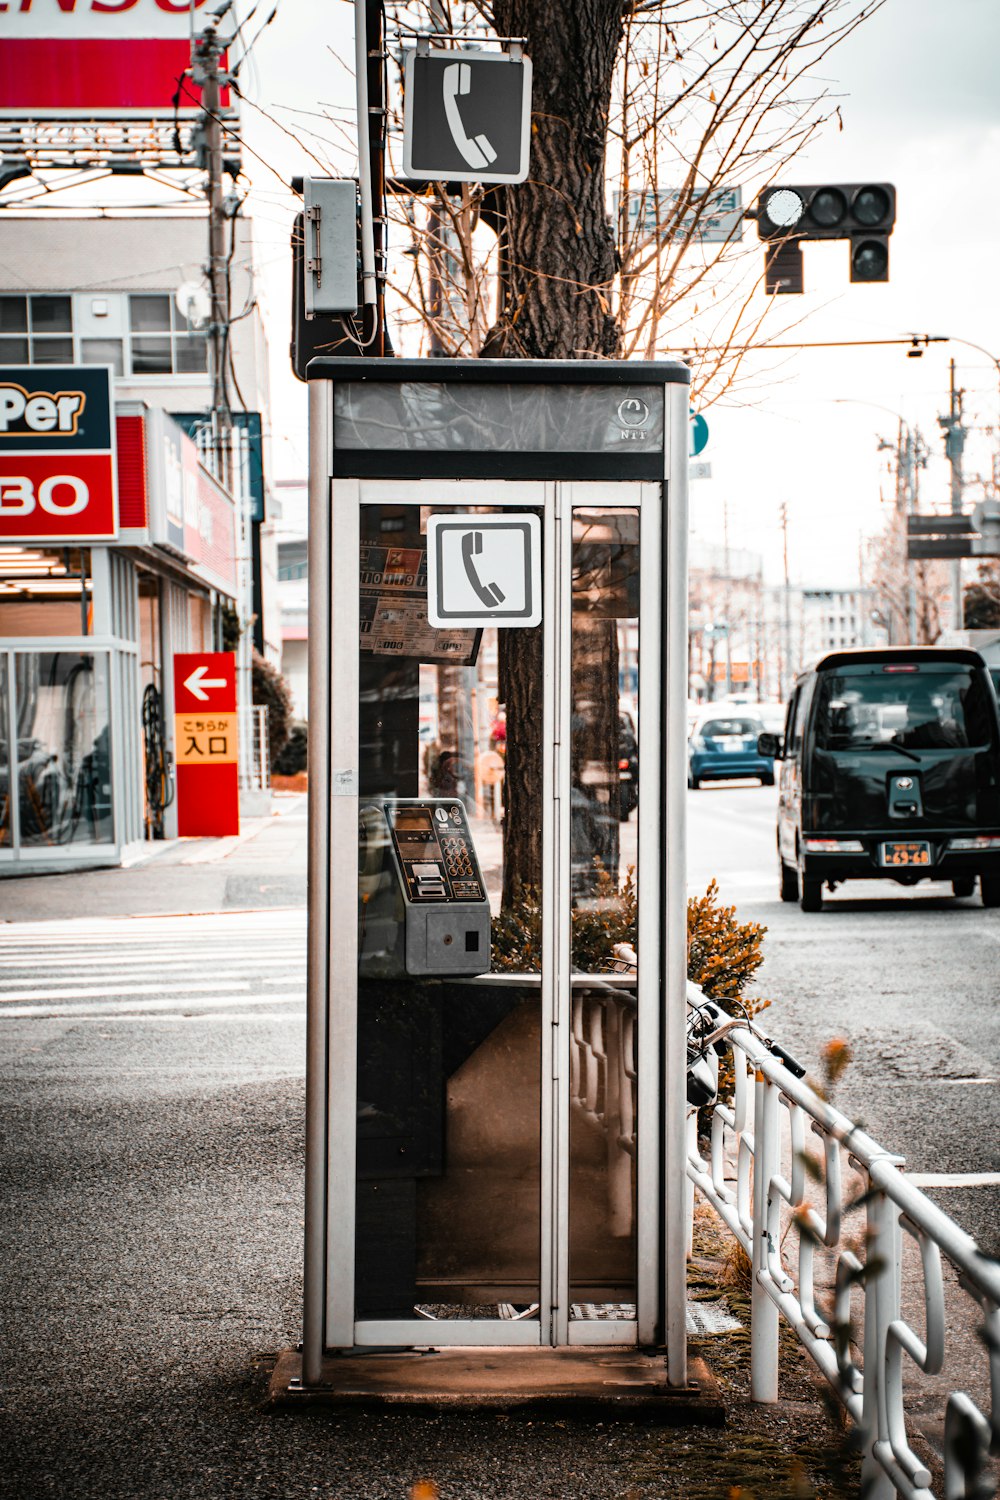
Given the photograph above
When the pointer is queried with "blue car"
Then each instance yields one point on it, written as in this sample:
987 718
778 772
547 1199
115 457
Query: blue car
723 747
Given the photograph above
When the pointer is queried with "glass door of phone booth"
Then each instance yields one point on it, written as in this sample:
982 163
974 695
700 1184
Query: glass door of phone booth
492 1162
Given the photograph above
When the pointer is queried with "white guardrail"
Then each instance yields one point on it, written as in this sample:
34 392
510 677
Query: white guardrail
849 1225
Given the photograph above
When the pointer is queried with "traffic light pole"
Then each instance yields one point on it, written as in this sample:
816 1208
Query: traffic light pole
954 446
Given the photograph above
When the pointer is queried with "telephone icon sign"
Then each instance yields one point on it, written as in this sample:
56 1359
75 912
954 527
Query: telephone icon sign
484 569
490 593
466 115
457 80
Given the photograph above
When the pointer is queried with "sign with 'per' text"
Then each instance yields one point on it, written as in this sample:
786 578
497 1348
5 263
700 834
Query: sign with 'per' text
57 454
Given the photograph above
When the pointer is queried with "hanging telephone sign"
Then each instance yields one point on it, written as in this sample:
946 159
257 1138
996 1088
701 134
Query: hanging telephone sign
466 115
484 570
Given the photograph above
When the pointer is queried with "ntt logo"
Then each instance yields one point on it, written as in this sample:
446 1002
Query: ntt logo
633 412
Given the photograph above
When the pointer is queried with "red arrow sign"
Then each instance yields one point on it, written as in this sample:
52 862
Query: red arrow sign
208 798
205 680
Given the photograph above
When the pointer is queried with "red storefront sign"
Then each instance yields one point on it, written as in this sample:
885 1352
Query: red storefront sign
93 57
58 470
205 744
44 497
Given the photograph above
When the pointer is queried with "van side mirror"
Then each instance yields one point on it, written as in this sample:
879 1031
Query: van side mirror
771 745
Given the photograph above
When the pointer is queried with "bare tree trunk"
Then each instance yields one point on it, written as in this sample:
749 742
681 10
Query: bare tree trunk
559 261
520 688
557 269
594 759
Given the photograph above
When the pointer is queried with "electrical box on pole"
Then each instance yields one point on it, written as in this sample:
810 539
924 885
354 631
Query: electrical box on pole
331 245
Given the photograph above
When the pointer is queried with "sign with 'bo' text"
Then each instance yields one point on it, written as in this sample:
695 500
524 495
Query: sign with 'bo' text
58 467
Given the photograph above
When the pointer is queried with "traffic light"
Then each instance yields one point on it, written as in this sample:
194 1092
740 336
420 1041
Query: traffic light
862 212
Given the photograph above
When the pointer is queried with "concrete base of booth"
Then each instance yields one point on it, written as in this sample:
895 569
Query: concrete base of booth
581 1381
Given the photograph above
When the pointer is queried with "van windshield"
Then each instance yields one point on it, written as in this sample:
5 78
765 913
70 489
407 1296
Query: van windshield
937 709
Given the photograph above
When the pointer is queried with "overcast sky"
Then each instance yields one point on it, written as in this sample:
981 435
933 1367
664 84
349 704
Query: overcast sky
921 109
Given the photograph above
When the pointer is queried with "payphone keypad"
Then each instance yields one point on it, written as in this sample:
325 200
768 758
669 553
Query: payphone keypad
435 852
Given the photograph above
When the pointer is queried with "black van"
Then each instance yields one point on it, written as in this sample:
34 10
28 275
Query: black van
889 769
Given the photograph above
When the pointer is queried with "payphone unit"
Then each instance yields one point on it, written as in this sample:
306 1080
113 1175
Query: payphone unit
423 904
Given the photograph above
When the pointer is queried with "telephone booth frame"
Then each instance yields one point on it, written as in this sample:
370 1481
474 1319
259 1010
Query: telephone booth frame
645 472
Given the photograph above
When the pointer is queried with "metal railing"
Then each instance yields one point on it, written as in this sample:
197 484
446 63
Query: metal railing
603 1083
791 1210
255 758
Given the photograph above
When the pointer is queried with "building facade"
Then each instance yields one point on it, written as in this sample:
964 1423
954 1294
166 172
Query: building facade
91 620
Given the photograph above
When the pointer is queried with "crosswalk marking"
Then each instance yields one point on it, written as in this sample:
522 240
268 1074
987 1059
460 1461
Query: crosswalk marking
90 967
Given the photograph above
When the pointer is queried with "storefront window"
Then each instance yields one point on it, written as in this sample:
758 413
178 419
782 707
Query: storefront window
45 591
163 341
36 330
61 704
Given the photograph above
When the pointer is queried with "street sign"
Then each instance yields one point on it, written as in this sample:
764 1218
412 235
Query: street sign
700 471
58 474
699 434
466 116
484 570
205 743
714 218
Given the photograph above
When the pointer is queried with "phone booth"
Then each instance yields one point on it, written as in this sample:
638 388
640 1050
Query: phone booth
497 761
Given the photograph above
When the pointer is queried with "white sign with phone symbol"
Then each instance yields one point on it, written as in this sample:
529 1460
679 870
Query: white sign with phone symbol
484 570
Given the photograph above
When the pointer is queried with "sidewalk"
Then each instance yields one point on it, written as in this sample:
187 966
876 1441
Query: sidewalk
264 865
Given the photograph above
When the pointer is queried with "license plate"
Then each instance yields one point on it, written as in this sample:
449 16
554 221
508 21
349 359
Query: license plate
736 745
913 852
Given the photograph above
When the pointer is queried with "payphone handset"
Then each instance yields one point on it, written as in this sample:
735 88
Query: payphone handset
423 905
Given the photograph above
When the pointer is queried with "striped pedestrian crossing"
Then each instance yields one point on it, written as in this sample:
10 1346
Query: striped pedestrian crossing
219 961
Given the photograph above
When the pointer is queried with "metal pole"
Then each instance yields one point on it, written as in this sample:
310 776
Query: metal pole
368 274
728 595
674 722
954 445
787 675
317 1064
763 1309
881 1307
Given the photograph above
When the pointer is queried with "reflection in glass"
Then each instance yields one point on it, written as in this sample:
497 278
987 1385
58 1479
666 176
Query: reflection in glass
63 748
104 352
13 314
151 356
149 313
51 315
52 351
604 770
449 1061
624 420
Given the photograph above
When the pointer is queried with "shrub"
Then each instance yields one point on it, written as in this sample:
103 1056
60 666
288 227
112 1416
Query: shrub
271 690
723 954
294 757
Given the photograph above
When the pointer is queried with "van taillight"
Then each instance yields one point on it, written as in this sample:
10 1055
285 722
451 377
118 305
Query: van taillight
902 667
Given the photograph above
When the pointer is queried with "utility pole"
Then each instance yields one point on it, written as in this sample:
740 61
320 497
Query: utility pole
728 597
786 662
207 58
954 447
232 474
